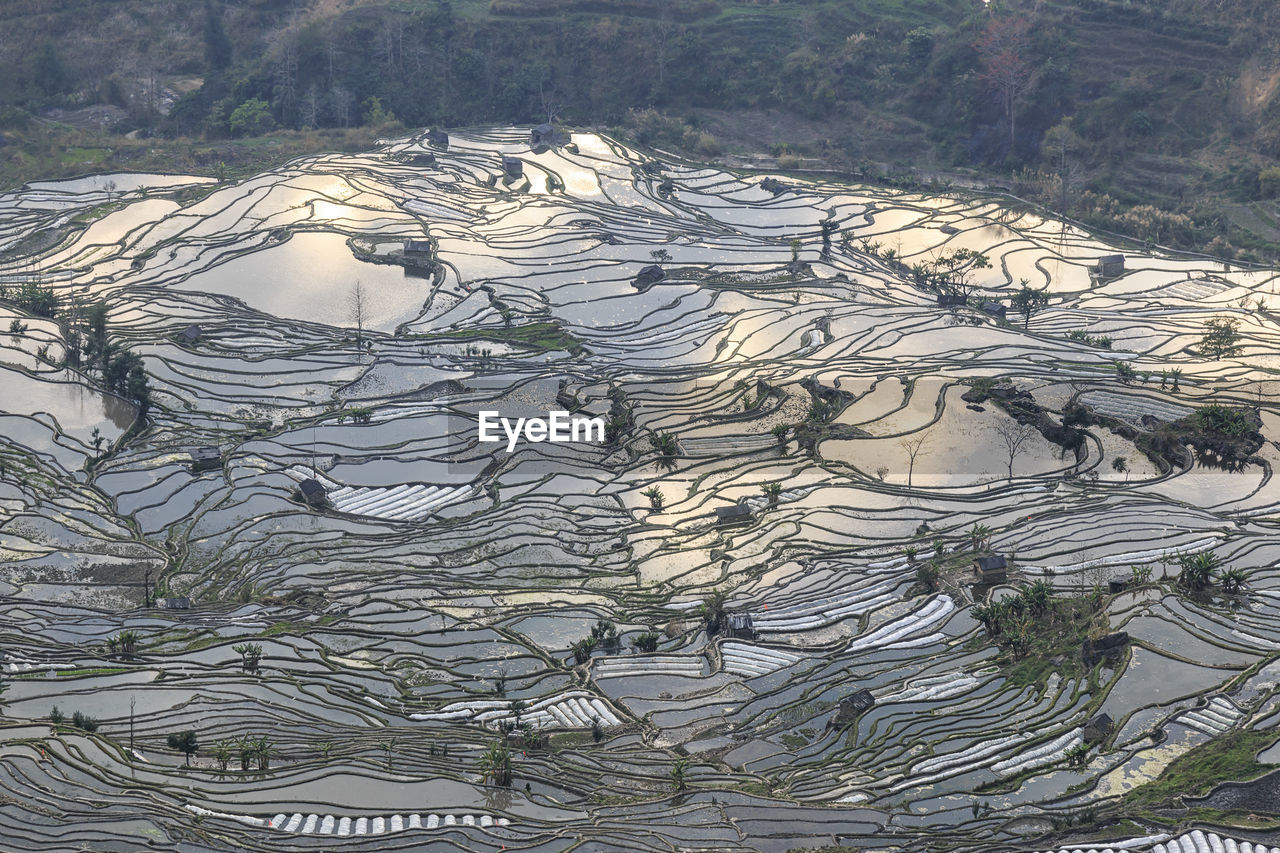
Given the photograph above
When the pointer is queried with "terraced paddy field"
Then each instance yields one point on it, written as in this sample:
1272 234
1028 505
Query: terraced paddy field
361 671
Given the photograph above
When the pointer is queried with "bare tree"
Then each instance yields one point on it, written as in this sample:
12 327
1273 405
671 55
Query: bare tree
914 447
286 75
665 34
357 304
342 101
151 88
550 104
310 117
1015 436
391 44
1003 49
332 52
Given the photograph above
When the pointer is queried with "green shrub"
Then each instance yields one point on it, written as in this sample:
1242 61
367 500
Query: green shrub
918 44
251 118
1141 124
647 642
1224 420
1269 182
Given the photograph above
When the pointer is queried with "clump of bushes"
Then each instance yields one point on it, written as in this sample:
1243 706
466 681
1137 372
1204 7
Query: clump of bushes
647 642
1100 341
1224 420
654 129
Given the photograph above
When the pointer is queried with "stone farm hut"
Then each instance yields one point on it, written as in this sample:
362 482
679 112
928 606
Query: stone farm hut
994 569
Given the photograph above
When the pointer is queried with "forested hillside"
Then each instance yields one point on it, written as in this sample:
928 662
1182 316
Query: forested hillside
1157 118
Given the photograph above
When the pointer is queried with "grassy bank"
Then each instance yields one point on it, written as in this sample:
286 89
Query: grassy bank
53 151
1232 757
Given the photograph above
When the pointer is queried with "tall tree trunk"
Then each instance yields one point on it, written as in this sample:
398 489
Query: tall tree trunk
1013 136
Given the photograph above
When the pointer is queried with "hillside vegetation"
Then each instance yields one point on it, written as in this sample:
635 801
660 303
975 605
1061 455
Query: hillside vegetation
1156 118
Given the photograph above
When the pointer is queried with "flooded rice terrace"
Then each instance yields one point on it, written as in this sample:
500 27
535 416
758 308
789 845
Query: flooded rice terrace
798 434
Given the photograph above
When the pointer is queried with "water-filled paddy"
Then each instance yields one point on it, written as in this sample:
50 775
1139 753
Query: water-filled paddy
311 277
446 575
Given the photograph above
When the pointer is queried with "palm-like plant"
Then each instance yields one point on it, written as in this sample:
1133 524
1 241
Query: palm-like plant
927 575
1233 580
605 633
222 752
1019 638
656 499
668 450
664 443
772 491
678 771
615 427
647 642
984 614
819 410
387 747
126 643
1037 596
245 752
263 750
582 650
993 617
495 764
250 655
1196 570
713 611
